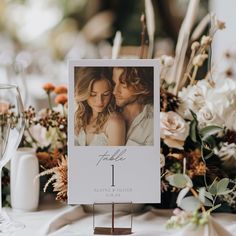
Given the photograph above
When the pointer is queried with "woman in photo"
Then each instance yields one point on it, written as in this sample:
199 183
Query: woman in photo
96 121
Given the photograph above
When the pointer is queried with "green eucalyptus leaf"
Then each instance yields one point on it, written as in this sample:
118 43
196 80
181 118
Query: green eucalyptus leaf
210 130
189 181
201 194
213 187
208 203
208 195
190 204
177 180
227 191
209 142
193 115
202 197
222 185
193 130
181 195
214 207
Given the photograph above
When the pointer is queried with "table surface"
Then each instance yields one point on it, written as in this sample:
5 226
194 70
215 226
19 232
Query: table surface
150 222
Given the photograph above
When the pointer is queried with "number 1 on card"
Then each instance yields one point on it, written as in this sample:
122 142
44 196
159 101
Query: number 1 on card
112 175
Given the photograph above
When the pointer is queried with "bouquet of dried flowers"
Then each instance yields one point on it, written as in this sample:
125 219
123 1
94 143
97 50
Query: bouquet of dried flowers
46 131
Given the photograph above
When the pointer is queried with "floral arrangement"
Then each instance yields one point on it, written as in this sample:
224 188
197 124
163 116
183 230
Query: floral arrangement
46 131
198 134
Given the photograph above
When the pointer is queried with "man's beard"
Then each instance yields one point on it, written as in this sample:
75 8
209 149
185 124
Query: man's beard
130 101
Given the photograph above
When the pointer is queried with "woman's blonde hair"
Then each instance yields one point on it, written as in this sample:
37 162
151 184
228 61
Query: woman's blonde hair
84 80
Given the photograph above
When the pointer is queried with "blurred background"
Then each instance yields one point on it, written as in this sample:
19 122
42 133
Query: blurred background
37 37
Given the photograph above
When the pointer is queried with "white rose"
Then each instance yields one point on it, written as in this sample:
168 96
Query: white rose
206 116
174 129
222 99
193 97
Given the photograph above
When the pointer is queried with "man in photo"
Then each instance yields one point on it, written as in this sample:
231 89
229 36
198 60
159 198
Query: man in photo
133 91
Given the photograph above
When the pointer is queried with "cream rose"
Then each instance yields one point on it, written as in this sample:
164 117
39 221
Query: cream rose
174 129
222 100
206 116
192 97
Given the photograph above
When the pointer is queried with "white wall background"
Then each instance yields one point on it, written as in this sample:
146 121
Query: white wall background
226 39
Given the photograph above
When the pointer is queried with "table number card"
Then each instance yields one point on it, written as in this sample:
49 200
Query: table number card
119 105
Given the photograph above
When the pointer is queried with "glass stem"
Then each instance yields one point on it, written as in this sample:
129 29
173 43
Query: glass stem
0 191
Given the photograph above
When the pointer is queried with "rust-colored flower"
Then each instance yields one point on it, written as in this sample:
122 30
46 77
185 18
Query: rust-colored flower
60 89
61 99
48 87
48 160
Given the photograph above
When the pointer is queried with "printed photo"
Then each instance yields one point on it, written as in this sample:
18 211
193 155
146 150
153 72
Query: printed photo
113 106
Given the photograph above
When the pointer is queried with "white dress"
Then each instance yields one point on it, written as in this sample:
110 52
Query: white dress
98 139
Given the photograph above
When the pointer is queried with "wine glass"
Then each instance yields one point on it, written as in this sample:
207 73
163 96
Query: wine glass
12 125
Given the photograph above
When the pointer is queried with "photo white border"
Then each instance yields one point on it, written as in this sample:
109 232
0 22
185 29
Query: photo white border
138 177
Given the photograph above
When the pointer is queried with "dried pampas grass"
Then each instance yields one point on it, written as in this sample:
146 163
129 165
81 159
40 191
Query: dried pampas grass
150 20
116 45
182 43
201 27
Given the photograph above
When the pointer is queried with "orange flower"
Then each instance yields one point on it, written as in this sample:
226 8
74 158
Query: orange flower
60 89
61 99
49 160
48 87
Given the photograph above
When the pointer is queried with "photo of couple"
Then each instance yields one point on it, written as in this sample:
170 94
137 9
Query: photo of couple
114 106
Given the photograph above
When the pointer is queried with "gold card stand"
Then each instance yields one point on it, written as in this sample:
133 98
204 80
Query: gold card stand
113 230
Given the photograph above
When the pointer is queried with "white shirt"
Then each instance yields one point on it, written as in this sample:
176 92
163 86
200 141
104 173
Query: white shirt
141 131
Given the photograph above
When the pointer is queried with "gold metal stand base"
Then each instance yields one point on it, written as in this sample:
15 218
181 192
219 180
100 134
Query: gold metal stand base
112 231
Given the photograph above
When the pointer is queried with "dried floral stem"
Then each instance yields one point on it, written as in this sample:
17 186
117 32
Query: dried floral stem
188 70
143 32
150 19
182 43
49 100
63 109
194 75
116 45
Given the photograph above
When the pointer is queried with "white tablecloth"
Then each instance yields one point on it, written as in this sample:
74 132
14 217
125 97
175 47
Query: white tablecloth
150 222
